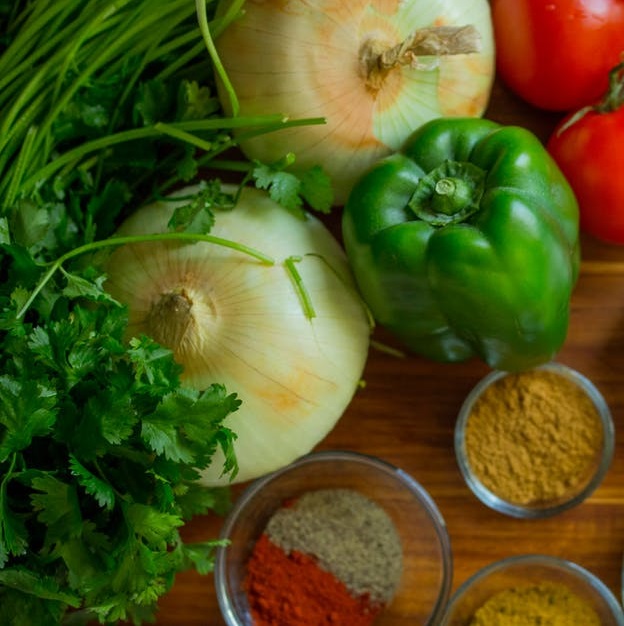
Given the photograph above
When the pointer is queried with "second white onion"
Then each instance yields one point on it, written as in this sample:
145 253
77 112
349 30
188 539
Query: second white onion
318 58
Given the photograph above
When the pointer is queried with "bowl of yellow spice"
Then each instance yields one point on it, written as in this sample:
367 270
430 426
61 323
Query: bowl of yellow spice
532 444
337 537
533 590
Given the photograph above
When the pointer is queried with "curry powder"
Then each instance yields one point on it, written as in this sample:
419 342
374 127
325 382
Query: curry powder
533 437
542 604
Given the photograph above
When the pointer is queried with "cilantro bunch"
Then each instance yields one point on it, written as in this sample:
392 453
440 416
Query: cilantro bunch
100 448
103 105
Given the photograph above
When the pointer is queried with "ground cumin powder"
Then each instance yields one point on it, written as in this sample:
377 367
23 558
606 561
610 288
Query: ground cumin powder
533 437
542 604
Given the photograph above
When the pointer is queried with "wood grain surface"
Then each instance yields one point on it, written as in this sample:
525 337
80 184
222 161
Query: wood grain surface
406 414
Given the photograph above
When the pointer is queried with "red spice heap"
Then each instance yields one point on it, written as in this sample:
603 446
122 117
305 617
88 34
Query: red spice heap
329 558
318 598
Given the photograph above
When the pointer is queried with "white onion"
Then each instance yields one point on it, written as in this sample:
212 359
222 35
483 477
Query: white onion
234 320
306 59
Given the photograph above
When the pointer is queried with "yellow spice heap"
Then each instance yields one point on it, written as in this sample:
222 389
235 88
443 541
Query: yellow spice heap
543 604
533 437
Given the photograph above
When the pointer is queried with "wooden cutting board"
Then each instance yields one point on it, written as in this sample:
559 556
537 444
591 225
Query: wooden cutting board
406 414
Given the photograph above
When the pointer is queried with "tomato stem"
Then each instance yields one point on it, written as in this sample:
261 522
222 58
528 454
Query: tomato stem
614 98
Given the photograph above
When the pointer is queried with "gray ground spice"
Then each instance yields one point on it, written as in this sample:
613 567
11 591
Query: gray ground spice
351 536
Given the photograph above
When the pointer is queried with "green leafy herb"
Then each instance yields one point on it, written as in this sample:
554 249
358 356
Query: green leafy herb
105 105
96 440
290 190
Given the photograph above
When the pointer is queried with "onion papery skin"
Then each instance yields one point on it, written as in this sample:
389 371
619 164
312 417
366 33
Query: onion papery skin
303 58
247 328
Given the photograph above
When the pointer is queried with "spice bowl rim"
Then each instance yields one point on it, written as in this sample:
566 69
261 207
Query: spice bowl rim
493 500
579 572
378 464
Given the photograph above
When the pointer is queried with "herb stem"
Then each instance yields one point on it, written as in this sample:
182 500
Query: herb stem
182 135
219 24
216 61
300 288
54 266
106 141
20 166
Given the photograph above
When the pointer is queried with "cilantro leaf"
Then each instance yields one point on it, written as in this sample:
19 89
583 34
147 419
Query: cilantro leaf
153 364
5 235
152 103
283 187
34 583
195 101
291 189
152 525
181 425
26 411
316 189
58 508
202 555
187 166
22 609
101 490
98 465
197 216
92 288
13 534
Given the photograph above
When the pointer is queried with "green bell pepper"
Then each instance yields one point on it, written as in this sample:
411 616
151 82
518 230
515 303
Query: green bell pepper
466 243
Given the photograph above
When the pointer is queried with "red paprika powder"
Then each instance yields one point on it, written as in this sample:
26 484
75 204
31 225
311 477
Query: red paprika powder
285 587
328 558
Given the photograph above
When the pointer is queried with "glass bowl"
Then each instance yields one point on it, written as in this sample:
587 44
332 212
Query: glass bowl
532 569
573 495
426 577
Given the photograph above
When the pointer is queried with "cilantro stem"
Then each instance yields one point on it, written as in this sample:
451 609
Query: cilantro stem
117 42
250 130
106 141
219 24
14 137
83 35
346 285
21 165
230 165
180 61
133 239
300 288
182 135
216 61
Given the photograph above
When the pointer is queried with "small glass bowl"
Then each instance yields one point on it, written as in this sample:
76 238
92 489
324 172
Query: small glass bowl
532 569
427 560
546 508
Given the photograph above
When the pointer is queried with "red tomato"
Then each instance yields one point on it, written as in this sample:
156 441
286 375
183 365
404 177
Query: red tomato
588 147
556 54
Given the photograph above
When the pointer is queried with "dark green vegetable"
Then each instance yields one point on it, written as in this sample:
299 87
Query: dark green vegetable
466 243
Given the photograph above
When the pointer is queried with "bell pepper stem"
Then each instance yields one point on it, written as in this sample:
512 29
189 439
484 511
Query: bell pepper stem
448 194
451 194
